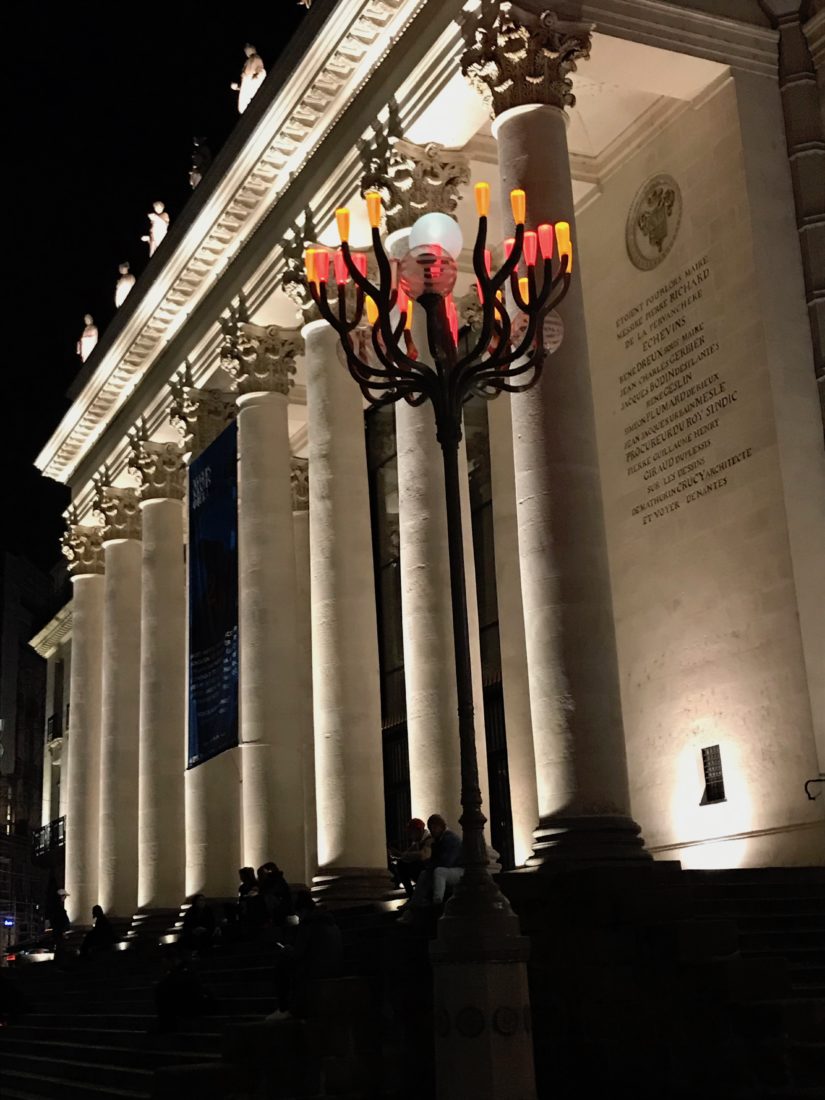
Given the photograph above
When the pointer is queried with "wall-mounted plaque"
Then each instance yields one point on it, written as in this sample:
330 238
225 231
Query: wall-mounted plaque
653 221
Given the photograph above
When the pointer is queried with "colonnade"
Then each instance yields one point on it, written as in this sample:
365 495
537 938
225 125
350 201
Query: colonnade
305 786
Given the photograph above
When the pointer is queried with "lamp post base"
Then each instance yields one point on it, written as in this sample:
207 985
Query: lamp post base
483 1032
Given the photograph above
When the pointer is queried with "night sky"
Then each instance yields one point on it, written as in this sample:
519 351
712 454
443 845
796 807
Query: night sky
101 104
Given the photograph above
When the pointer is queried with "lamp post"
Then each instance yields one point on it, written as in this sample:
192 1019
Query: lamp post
483 1044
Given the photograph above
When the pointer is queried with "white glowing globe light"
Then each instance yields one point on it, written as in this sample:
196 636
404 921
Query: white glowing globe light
439 229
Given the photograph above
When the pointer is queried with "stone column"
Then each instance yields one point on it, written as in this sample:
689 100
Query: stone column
303 649
346 695
212 789
81 740
119 752
262 362
429 661
161 829
521 759
581 768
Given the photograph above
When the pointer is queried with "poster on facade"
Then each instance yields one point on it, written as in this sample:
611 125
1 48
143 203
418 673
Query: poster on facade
213 599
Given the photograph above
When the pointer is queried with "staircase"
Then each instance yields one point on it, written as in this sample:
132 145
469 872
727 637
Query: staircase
90 1032
780 918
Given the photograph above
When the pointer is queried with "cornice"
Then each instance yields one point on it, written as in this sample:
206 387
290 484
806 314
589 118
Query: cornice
348 46
258 186
683 29
48 640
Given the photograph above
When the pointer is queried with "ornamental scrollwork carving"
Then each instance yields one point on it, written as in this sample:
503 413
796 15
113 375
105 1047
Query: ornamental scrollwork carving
158 467
260 358
469 309
82 546
413 179
118 508
299 476
293 279
200 415
514 57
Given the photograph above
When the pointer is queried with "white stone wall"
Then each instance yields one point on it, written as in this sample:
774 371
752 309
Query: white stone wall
706 599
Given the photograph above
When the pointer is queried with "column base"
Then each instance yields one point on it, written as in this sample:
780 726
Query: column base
588 840
351 887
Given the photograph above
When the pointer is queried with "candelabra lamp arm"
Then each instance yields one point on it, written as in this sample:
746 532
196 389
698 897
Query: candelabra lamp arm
490 288
393 363
385 295
361 281
467 371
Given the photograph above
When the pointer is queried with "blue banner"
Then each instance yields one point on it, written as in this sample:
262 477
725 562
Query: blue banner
213 599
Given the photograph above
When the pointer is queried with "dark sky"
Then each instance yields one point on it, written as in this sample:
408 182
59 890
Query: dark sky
101 104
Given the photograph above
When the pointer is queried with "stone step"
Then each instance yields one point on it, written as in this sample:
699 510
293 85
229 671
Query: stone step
806 1063
722 906
128 1021
780 941
785 923
744 898
126 1038
148 1056
230 1003
37 1086
746 875
83 1074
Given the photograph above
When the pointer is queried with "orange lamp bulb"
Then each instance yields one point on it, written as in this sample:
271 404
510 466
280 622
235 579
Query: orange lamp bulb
518 202
482 193
565 244
373 199
342 219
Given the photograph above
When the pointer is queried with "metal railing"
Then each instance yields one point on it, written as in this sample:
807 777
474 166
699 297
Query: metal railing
54 728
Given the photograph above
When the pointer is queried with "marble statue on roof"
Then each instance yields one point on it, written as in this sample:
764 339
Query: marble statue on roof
253 74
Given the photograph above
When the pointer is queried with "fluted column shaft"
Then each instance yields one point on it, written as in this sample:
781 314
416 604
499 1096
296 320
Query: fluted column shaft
303 649
581 767
521 761
81 752
161 830
346 697
271 731
429 660
119 754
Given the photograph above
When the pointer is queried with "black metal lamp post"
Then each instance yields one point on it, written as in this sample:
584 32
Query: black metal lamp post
507 355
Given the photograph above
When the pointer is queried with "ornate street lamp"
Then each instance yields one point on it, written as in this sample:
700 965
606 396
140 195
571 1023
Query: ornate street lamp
482 1012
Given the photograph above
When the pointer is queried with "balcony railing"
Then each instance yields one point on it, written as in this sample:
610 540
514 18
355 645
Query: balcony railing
49 838
54 728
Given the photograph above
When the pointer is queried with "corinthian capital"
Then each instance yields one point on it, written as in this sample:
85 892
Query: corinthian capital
199 415
514 57
261 358
158 468
118 508
413 179
82 546
299 473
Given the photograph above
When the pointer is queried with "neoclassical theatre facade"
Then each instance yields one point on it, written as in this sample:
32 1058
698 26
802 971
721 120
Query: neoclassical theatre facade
257 657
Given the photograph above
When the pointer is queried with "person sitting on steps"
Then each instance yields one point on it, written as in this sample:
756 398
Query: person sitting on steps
442 869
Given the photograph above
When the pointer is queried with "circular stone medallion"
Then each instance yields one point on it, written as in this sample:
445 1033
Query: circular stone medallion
505 1020
653 221
469 1021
